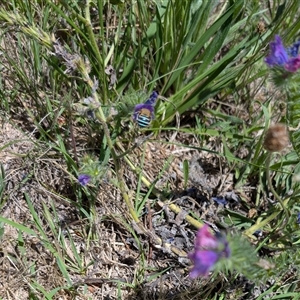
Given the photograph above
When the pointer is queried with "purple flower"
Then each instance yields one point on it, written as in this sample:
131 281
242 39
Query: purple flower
294 49
152 98
203 262
220 200
209 248
280 56
84 179
293 64
298 218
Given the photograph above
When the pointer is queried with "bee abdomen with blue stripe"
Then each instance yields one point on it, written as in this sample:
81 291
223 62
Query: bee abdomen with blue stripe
144 112
144 118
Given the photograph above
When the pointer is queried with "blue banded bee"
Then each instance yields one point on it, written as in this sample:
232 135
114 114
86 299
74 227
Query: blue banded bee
144 117
144 112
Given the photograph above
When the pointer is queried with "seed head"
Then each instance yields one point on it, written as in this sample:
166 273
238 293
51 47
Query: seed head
276 138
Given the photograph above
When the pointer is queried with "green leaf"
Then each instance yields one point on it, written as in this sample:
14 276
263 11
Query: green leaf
185 172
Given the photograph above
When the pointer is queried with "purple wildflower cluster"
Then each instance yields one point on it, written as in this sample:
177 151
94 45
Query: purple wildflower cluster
84 179
209 248
283 57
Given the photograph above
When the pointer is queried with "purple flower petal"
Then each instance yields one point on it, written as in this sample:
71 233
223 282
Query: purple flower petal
220 200
278 54
84 179
152 98
293 64
205 239
141 106
298 218
203 261
294 49
209 248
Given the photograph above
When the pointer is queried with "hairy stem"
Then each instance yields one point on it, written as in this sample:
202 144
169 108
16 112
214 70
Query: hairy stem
276 196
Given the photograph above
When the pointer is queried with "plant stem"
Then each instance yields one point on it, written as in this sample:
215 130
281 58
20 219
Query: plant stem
276 196
91 34
162 199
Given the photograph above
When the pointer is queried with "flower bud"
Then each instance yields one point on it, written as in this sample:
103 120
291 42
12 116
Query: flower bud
276 138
